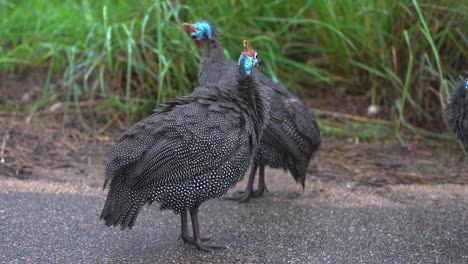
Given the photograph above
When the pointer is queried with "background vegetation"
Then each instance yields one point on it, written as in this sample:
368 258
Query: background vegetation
126 57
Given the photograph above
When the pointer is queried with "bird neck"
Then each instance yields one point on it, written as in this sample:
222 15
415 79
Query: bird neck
213 55
214 51
253 100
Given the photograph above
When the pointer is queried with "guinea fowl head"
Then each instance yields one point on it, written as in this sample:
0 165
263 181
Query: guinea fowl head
461 91
248 59
199 31
455 112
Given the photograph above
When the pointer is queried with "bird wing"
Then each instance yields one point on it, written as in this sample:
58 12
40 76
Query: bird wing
300 125
194 139
306 124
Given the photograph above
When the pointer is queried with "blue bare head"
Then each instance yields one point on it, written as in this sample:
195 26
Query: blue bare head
466 84
199 31
248 59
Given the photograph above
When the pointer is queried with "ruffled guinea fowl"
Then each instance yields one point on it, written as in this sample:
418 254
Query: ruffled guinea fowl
192 149
292 135
456 112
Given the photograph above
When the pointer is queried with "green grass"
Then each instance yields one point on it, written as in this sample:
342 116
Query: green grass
132 55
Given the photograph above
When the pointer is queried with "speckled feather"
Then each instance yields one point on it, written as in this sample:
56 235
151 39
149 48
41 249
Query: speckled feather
192 149
456 112
292 135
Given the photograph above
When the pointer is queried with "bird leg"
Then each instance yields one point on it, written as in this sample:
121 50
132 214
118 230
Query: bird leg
261 183
197 241
184 230
243 196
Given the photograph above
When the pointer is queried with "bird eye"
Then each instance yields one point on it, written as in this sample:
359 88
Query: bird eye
256 56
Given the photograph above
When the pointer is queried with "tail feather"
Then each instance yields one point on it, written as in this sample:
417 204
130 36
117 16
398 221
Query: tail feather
123 155
122 205
298 170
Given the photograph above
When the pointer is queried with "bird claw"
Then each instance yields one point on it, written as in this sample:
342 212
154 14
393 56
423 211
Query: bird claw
244 196
189 240
259 192
200 245
208 247
240 196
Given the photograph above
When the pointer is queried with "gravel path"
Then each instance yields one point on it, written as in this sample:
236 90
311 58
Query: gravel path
327 223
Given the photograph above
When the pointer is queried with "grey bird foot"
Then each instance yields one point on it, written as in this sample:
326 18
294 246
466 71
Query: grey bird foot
259 192
189 240
240 196
209 247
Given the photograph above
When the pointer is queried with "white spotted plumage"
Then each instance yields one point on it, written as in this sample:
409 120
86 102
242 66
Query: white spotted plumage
192 149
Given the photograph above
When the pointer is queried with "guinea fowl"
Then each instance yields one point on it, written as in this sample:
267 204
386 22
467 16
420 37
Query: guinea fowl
292 135
192 149
456 112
